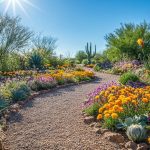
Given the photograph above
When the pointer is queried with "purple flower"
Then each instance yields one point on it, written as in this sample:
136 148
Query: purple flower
91 96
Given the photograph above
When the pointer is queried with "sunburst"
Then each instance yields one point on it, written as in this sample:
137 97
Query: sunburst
13 4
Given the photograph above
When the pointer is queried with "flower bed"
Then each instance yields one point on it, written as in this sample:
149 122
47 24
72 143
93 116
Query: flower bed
122 109
20 88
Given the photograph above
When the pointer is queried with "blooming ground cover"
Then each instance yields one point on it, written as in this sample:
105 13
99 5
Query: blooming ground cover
20 84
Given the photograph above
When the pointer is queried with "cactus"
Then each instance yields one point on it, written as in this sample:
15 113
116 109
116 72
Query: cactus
89 52
136 133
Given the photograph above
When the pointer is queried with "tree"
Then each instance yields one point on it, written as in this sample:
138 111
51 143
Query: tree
80 56
46 44
13 37
124 40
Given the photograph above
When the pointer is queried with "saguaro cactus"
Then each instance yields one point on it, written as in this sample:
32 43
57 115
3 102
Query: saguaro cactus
90 54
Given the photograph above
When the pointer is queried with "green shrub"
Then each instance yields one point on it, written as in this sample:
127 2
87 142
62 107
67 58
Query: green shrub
3 104
15 91
92 110
97 68
85 62
126 77
22 92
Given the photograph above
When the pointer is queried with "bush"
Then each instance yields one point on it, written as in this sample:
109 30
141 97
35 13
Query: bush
97 68
20 93
92 110
3 104
85 62
126 77
15 91
42 83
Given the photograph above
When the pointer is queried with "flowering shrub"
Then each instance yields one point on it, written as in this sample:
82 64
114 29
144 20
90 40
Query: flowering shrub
42 82
13 91
120 102
125 66
91 96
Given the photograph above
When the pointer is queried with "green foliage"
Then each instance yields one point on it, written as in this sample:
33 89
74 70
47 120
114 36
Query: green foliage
3 104
142 120
136 133
92 110
89 52
80 56
14 91
97 68
126 77
35 61
85 62
22 92
123 42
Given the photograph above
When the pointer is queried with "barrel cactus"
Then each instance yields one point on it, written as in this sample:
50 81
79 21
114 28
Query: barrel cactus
136 132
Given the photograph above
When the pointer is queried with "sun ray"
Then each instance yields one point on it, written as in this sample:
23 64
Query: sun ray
31 4
18 3
22 8
14 7
7 7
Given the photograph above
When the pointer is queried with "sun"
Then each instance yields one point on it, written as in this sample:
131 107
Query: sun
14 4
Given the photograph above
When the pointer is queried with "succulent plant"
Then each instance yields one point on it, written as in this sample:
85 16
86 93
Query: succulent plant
136 133
141 120
89 52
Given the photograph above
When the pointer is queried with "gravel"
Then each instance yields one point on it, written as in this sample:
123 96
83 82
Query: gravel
54 122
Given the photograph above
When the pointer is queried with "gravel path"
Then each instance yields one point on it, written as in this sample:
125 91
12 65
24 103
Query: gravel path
54 122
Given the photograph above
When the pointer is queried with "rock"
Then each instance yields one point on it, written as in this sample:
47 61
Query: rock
142 146
89 119
104 130
97 125
131 145
97 130
15 108
114 137
92 124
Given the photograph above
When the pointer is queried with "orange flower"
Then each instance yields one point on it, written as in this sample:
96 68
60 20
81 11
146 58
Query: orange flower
114 115
107 115
99 117
145 100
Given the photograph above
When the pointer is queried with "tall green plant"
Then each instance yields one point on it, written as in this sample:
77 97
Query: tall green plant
90 54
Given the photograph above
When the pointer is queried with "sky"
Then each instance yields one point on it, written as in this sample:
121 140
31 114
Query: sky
76 22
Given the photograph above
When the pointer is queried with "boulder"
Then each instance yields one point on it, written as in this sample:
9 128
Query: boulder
114 137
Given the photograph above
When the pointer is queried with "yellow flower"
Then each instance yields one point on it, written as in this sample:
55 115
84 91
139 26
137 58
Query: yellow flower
99 117
114 115
148 140
140 42
107 115
100 110
97 97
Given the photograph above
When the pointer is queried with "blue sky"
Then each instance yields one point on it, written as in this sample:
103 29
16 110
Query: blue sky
75 22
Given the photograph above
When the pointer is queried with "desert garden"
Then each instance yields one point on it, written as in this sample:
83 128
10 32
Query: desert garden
91 101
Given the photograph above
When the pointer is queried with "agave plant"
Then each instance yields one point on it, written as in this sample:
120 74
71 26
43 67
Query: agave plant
35 61
136 133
